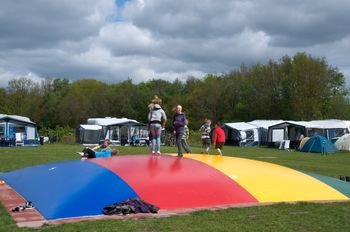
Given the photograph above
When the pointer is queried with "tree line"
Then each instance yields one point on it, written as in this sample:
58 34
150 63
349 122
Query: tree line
301 87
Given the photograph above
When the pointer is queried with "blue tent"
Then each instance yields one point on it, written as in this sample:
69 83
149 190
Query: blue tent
319 144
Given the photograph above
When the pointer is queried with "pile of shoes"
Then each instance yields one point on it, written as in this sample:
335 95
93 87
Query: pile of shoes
345 178
27 205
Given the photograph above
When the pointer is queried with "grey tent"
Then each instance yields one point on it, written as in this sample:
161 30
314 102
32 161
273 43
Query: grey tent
294 131
241 134
17 131
253 133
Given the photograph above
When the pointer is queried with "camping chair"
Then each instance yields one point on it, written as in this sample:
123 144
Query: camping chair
281 146
19 140
135 140
286 145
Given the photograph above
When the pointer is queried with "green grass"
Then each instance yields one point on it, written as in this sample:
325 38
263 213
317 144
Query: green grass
279 217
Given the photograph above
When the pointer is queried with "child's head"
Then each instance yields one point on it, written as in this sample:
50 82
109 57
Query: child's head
208 121
178 109
156 100
115 152
150 106
218 124
107 142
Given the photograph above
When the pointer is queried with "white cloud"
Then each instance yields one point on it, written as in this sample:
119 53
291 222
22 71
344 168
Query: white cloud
126 39
6 76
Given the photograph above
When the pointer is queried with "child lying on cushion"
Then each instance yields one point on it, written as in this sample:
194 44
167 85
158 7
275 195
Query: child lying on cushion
90 153
100 151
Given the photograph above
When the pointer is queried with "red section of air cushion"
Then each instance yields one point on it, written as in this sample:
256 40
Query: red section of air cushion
172 183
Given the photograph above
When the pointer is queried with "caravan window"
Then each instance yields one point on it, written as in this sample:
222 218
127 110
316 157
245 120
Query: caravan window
236 135
144 133
277 135
20 129
87 136
250 136
314 131
31 132
332 133
114 133
2 131
134 130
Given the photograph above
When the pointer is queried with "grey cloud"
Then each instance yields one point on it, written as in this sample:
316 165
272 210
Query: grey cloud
39 23
188 19
290 23
303 24
164 38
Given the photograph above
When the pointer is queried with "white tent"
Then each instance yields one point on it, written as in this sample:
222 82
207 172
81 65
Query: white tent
110 121
17 131
264 123
343 143
263 126
331 128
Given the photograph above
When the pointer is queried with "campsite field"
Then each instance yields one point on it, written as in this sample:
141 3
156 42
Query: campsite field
278 217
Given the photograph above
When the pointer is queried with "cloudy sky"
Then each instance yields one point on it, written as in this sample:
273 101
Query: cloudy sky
113 40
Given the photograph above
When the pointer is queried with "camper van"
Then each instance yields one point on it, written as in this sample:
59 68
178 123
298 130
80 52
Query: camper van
118 130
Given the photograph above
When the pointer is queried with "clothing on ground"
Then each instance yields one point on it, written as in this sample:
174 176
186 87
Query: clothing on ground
132 205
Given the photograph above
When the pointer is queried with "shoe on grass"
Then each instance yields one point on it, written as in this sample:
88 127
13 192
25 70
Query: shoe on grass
29 205
81 153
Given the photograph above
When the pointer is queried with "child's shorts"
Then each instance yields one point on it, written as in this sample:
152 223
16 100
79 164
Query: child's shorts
219 145
206 142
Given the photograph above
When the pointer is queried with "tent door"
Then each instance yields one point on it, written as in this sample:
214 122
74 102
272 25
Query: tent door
124 135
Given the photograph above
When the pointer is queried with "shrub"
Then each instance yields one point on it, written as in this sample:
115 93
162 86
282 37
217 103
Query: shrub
59 134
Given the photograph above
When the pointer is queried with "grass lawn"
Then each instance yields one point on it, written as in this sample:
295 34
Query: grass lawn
279 217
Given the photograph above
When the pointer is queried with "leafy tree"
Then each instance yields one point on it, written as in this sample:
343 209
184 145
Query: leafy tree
129 101
22 95
53 92
308 87
84 99
301 87
206 100
338 107
4 105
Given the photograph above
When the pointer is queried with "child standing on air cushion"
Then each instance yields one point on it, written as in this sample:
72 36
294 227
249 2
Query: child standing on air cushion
205 136
185 138
219 137
156 120
179 123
